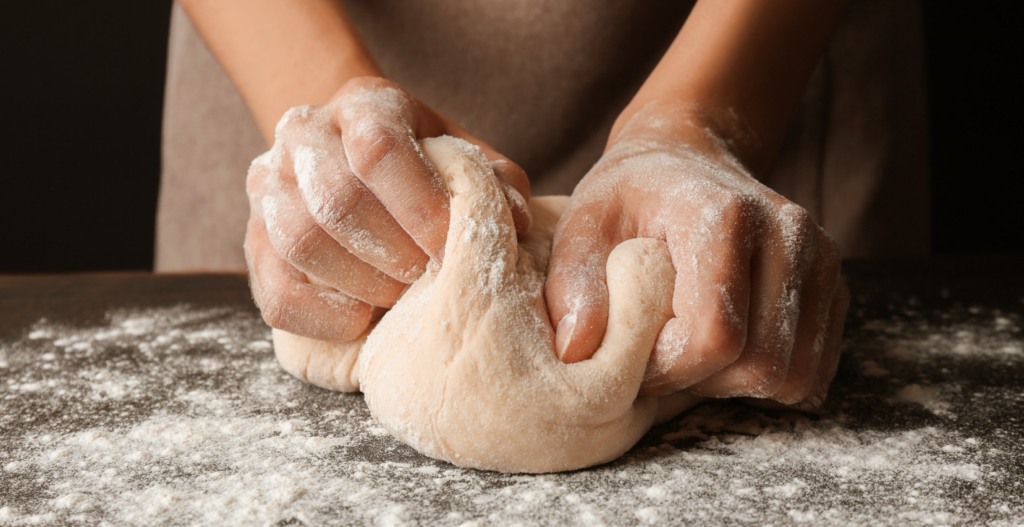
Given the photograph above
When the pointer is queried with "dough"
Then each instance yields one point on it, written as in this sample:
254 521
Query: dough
463 368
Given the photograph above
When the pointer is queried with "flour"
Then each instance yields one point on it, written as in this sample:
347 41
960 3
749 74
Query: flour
308 175
328 188
181 416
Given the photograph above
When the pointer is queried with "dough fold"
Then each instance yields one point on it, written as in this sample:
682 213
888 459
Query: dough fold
463 368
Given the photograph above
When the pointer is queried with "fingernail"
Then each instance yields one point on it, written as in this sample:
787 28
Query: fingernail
563 334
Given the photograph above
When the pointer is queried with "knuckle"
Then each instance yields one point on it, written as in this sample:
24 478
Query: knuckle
794 220
798 238
794 390
798 229
260 170
294 241
800 216
722 341
352 328
340 203
736 209
349 318
379 290
293 120
735 203
369 149
736 213
765 379
274 308
299 249
346 204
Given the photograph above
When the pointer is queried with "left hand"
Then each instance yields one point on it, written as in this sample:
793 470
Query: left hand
759 303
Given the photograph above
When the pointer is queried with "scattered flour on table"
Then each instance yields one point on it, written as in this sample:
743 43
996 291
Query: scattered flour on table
181 416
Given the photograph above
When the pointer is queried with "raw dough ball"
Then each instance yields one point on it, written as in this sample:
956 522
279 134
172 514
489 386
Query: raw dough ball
464 369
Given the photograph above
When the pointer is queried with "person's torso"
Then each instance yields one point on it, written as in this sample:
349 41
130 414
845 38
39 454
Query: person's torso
542 81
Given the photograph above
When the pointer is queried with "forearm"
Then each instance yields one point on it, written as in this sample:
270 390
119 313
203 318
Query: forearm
738 67
282 54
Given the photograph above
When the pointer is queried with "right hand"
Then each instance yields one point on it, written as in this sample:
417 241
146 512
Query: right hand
345 211
758 302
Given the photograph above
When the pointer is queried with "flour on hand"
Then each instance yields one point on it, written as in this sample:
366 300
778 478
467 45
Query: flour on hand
464 369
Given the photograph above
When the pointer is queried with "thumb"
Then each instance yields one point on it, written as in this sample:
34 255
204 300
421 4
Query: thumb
576 290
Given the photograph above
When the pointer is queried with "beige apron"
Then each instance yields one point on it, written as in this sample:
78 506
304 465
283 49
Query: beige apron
542 82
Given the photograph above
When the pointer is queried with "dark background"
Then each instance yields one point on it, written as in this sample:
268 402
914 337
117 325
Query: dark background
83 91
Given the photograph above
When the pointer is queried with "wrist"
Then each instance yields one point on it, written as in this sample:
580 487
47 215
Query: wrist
743 64
704 128
355 62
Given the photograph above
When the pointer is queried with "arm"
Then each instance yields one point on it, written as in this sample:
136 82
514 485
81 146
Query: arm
282 54
742 65
758 300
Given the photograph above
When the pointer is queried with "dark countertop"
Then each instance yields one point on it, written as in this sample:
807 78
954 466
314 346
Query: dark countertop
142 399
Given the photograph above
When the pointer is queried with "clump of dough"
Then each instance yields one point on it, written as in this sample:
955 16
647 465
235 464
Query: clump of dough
464 369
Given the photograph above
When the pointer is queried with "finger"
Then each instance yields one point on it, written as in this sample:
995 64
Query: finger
777 272
518 202
576 289
275 200
710 301
831 352
287 301
812 327
378 124
516 184
298 239
346 209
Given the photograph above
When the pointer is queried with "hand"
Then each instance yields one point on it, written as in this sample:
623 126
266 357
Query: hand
759 303
346 211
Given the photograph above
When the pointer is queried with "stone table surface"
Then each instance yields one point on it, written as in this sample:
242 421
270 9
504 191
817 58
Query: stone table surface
137 399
